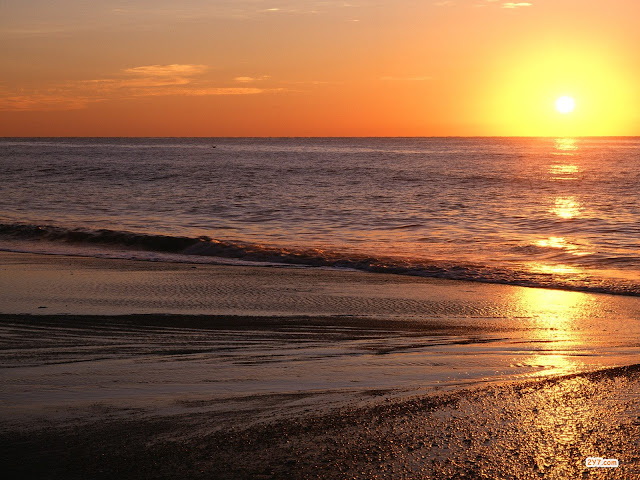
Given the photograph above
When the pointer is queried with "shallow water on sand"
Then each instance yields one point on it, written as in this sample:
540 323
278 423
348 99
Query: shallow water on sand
208 333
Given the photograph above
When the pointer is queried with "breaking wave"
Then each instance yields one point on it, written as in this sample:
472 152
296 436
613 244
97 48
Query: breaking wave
35 238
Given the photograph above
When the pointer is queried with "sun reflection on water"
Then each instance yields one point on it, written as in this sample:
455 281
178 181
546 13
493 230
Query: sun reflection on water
563 171
566 145
552 308
556 242
556 340
566 168
566 207
559 269
559 344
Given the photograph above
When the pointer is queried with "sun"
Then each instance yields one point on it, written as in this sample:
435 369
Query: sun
565 104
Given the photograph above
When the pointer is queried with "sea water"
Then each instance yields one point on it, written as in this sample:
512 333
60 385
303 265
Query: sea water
547 212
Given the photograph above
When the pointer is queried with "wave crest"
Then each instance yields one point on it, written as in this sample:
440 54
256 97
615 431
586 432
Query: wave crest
204 246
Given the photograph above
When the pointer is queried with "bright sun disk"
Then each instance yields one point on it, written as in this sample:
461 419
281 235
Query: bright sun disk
565 104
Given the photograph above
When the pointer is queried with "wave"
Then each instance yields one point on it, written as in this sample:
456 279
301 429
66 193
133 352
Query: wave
191 247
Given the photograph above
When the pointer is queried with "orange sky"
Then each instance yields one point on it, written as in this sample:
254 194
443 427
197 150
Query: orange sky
318 68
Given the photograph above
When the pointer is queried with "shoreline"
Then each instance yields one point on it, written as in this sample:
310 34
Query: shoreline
140 369
107 244
441 331
14 261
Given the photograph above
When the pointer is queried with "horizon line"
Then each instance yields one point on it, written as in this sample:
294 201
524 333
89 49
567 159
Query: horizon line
320 136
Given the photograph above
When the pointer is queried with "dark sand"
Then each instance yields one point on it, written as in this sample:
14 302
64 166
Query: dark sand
142 370
541 429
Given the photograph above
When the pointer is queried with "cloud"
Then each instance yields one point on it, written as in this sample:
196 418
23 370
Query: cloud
405 79
445 3
143 81
146 76
189 10
251 79
43 102
167 70
205 92
516 5
510 5
72 18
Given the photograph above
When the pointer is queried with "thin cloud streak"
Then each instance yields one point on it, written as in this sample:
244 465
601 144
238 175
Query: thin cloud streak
204 92
405 79
47 102
251 79
516 5
142 81
73 16
167 70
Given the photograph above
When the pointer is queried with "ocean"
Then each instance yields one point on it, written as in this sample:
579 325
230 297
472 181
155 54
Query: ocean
558 213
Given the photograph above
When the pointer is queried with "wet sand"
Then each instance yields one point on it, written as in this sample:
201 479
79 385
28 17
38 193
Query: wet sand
535 429
156 370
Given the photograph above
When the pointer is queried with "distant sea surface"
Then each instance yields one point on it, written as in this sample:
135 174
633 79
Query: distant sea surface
559 213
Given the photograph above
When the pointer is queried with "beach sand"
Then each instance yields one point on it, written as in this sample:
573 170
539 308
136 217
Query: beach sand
123 369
